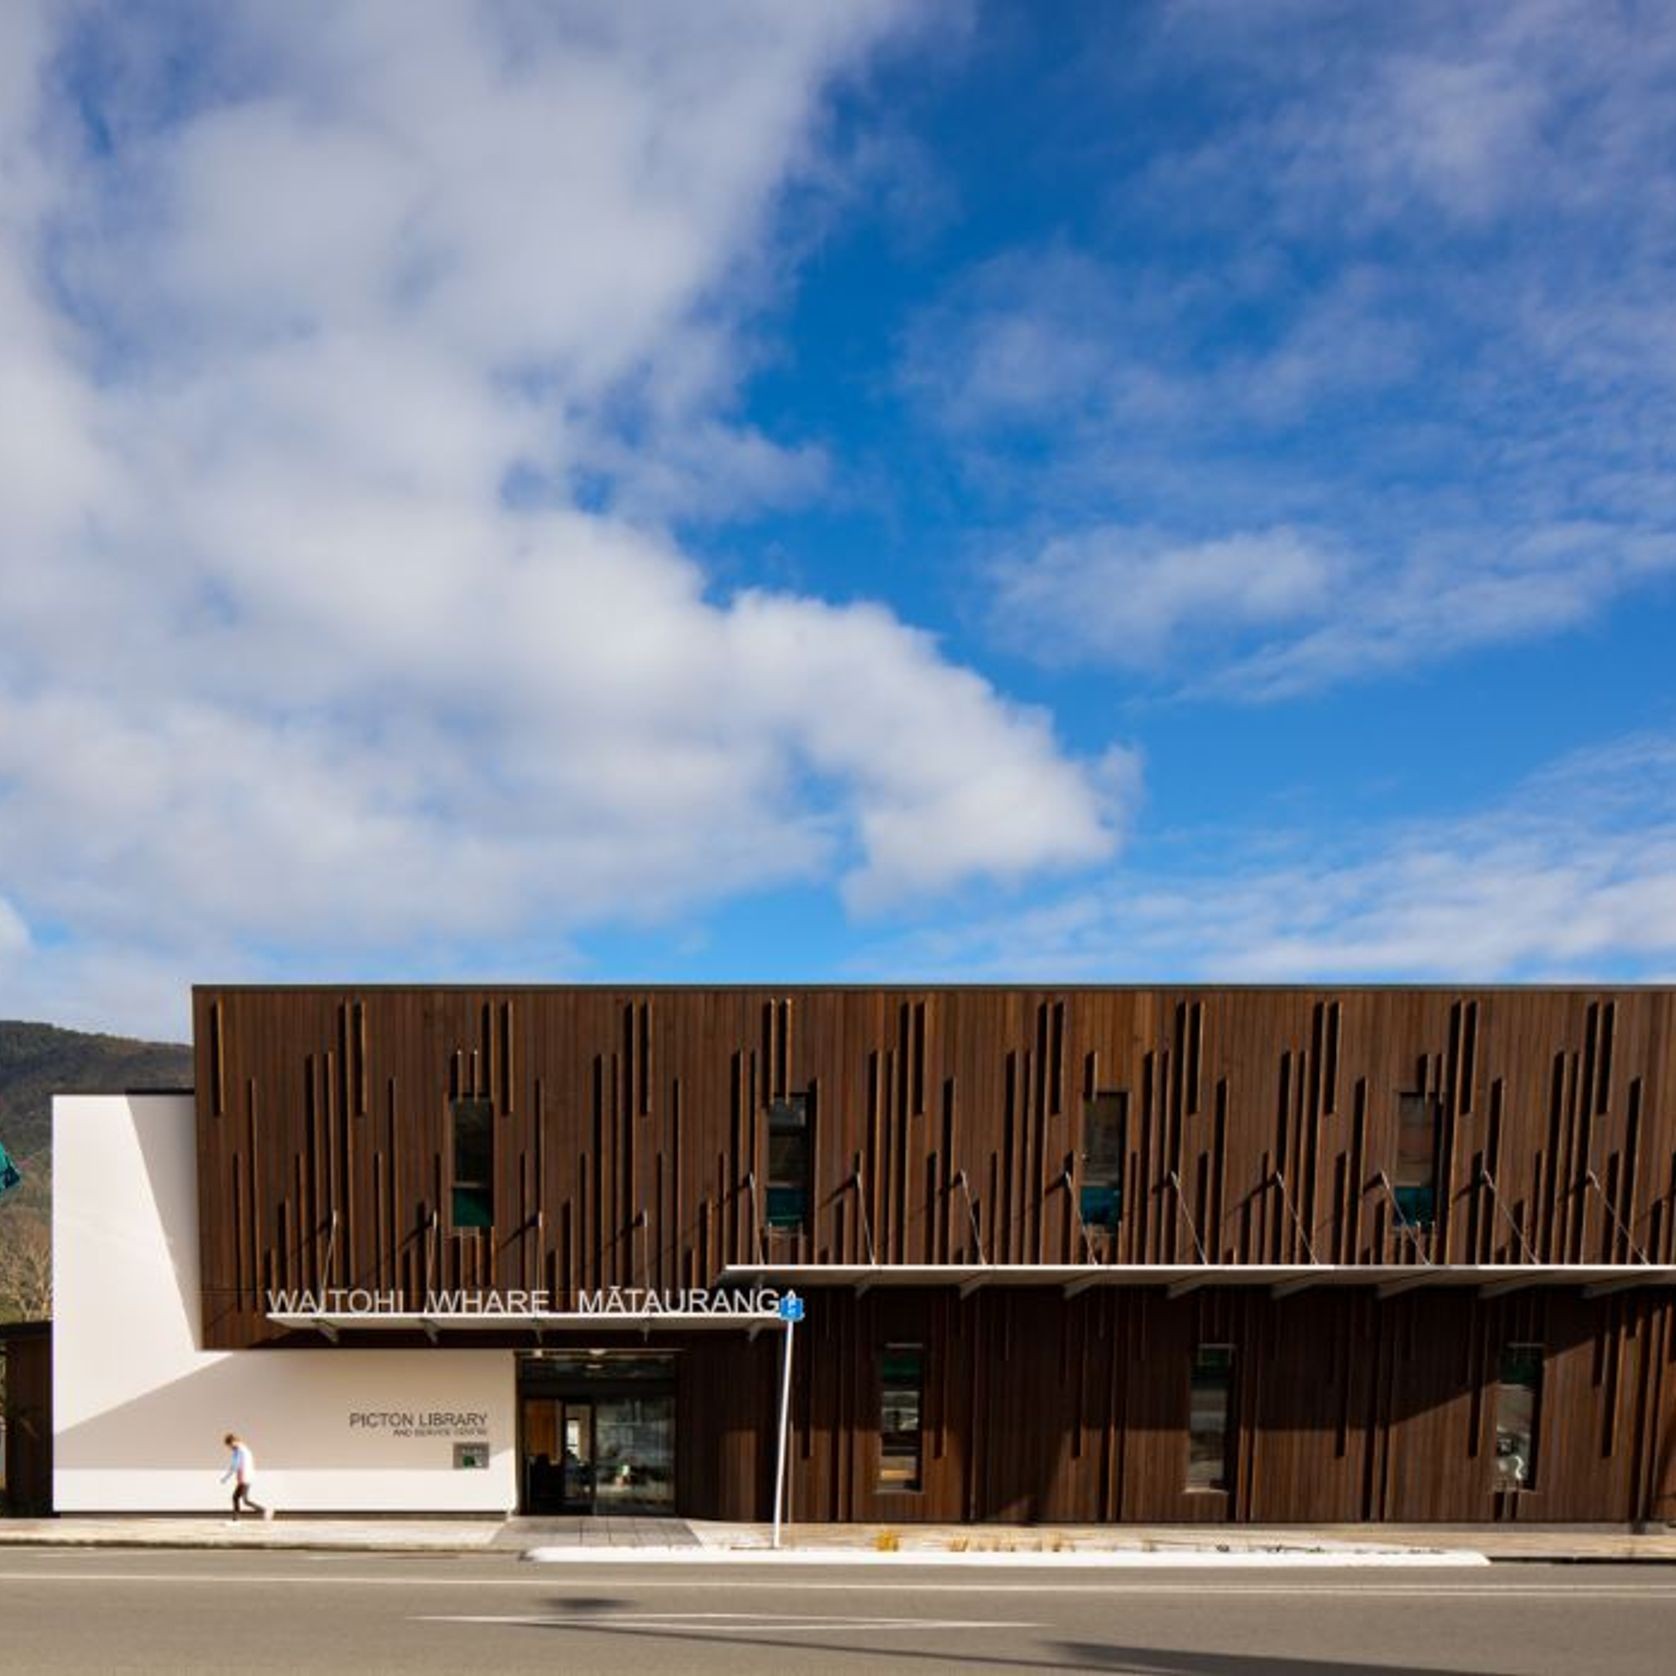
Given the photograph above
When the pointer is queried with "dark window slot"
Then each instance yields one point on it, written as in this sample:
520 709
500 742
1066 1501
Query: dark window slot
1415 1181
474 1163
787 1206
1105 1123
1210 1398
901 1417
1518 1412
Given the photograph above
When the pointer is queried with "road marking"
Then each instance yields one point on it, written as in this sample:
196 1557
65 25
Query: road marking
1128 1587
719 1622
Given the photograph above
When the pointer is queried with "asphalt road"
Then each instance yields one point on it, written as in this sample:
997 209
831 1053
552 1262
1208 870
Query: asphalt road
115 1612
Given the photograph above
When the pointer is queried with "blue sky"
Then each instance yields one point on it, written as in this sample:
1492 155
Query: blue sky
882 492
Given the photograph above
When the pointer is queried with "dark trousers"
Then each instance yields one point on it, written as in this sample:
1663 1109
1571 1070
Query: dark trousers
241 1496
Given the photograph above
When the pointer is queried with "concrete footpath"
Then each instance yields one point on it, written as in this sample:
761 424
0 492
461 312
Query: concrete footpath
703 1542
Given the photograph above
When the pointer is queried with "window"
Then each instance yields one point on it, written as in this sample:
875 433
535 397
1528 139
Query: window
901 1403
788 1163
1415 1185
1518 1402
1105 1122
1209 1394
474 1163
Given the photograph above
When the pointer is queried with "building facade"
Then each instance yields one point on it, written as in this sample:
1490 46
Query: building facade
1196 1255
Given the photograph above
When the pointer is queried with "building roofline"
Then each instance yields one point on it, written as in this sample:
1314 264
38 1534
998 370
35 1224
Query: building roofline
122 1093
1323 987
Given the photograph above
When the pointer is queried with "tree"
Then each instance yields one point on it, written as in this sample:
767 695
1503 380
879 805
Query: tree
25 1270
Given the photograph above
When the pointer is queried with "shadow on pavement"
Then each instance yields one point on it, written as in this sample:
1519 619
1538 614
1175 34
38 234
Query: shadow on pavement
1067 1655
1154 1661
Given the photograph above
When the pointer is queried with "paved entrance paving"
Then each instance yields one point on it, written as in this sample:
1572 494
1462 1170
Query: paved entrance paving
598 1531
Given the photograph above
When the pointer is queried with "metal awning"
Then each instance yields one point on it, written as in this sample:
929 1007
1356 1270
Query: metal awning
1489 1280
1175 1279
432 1324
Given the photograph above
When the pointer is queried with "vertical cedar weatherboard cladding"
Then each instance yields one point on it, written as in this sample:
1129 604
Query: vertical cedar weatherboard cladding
630 1132
629 1149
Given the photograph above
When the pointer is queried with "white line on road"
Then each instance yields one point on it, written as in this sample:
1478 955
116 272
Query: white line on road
1128 1586
720 1621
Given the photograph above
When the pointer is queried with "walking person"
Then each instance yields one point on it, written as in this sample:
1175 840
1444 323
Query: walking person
242 1470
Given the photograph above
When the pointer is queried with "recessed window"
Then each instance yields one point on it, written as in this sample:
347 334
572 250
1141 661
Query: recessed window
1518 1405
474 1163
1105 1124
1210 1395
1415 1182
901 1407
788 1163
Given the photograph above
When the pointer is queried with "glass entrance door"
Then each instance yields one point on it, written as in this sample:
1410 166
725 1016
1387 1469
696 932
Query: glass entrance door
634 1454
576 1424
558 1456
598 1433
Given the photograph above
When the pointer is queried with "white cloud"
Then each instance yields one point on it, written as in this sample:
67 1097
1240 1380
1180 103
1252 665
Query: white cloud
1041 338
1573 878
1127 596
1461 112
282 666
1452 592
1399 279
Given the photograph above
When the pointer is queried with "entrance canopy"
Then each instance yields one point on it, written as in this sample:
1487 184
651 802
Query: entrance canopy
1175 1279
1490 1280
431 1324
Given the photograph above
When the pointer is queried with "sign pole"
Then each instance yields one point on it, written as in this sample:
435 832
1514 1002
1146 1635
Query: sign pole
791 1312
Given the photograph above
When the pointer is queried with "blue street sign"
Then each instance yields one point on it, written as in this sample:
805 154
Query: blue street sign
791 1307
10 1177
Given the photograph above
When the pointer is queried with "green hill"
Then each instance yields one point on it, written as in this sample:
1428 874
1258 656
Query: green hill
36 1062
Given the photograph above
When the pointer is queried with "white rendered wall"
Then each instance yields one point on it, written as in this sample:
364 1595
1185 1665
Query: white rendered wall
139 1410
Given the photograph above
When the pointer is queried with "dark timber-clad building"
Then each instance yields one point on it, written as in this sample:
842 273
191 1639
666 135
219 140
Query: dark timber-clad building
1067 1254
